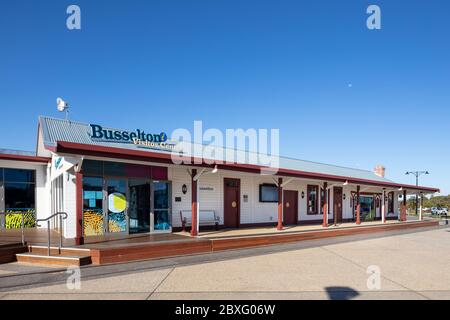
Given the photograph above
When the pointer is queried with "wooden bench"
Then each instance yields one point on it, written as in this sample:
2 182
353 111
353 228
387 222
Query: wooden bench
206 218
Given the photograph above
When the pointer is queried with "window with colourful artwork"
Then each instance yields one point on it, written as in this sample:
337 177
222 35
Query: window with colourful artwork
19 197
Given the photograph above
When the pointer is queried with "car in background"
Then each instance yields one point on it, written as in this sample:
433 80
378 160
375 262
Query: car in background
439 211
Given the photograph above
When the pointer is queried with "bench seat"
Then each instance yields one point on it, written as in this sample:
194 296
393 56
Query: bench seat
206 218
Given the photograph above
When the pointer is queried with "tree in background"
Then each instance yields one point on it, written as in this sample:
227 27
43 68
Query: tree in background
439 201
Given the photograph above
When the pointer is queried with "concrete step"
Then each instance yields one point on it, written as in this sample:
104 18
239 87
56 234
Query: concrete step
57 260
8 251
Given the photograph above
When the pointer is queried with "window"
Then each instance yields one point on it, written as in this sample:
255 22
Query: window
19 196
391 202
19 187
268 193
312 195
20 175
93 221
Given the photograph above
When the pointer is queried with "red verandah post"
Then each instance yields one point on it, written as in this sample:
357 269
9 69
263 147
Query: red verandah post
280 204
325 205
79 240
358 205
194 204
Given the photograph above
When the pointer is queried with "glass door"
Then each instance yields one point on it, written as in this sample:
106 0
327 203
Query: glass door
93 217
139 206
161 215
116 201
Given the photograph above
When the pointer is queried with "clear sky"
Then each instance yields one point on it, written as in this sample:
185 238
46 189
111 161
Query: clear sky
338 92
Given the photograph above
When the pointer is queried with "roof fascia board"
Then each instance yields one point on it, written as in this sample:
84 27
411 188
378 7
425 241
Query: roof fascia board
74 148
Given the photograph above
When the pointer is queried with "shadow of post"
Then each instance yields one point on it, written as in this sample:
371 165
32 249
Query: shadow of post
341 293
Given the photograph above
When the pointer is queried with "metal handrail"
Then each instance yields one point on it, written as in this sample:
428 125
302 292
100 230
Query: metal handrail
22 226
64 216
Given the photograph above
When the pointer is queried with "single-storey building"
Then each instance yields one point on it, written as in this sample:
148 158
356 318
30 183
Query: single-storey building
112 181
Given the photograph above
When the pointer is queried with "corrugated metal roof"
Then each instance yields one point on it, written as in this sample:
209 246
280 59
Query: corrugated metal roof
71 131
18 152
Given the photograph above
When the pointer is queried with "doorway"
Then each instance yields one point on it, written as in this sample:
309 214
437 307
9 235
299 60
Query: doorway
367 208
149 209
116 202
161 216
118 205
231 202
139 207
290 207
337 204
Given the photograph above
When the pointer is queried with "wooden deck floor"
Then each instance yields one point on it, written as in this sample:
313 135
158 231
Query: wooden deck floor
38 236
124 248
133 240
35 236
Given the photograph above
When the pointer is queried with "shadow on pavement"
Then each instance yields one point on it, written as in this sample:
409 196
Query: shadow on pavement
341 293
18 280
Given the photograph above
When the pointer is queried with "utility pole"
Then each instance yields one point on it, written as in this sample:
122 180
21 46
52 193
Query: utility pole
417 174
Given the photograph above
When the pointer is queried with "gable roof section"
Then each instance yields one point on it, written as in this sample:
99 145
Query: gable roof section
70 135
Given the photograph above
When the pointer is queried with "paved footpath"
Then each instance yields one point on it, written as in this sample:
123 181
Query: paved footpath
412 265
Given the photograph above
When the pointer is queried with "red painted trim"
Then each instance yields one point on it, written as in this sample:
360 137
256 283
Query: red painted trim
50 148
258 224
16 157
79 208
102 151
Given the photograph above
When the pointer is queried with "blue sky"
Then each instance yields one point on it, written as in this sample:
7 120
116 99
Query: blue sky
160 65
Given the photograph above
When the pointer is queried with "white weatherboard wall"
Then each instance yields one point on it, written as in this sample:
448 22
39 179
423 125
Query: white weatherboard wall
42 200
70 206
251 211
209 200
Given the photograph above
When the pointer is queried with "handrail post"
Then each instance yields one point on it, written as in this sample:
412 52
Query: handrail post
63 215
60 234
48 235
23 231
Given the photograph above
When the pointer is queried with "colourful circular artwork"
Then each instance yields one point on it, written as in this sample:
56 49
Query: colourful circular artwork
117 202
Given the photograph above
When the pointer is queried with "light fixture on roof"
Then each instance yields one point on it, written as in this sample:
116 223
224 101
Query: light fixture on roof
215 169
62 106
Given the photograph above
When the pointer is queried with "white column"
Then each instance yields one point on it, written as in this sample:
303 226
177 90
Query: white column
198 206
420 207
383 207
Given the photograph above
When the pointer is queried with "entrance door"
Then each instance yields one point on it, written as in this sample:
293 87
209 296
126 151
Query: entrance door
290 207
231 210
337 203
93 213
367 208
139 206
161 218
116 203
